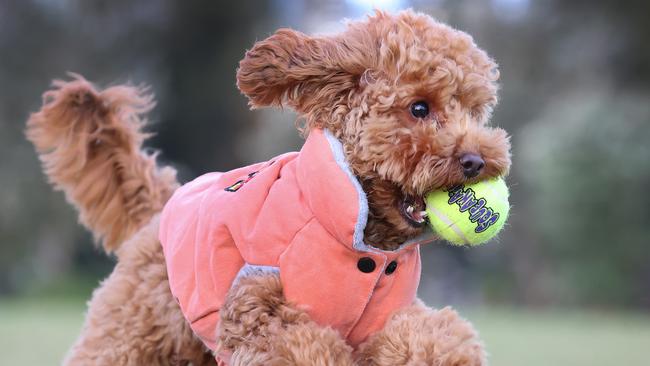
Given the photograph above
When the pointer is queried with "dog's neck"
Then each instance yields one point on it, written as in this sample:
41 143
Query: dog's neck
385 230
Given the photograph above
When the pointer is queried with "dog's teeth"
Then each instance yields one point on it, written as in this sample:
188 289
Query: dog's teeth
420 217
410 209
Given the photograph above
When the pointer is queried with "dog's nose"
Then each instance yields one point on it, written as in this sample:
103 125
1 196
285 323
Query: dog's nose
472 164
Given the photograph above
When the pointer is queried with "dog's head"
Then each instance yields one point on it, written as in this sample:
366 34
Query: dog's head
408 97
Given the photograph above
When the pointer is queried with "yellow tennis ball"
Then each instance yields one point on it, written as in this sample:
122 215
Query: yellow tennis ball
469 214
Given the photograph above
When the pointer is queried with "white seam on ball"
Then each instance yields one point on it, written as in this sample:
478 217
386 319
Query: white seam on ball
449 224
497 193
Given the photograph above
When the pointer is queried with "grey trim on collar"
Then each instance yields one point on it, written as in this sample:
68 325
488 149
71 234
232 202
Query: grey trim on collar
252 270
362 218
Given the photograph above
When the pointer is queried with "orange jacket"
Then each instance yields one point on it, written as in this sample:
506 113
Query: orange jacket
300 214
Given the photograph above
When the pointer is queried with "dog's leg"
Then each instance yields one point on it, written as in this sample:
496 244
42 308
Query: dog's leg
132 318
258 327
418 335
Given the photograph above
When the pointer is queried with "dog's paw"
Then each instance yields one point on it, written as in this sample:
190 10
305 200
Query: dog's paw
422 336
258 327
310 344
255 307
297 344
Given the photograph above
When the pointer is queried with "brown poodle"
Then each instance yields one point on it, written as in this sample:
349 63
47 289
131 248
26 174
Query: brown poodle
407 98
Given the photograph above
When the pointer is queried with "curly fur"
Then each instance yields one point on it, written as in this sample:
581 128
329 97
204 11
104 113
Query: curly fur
90 145
359 84
419 335
258 327
132 318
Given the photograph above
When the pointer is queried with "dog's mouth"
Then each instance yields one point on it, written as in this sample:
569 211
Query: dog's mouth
412 209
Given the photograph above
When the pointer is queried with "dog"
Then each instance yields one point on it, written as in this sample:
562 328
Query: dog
394 106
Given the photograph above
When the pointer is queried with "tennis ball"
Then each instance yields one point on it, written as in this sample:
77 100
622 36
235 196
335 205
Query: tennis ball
469 214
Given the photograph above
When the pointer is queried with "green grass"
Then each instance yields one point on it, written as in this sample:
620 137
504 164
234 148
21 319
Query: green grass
561 338
39 332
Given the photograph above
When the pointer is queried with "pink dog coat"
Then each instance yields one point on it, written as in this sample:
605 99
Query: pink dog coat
301 215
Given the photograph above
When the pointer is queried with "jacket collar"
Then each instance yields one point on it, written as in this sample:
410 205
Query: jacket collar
334 194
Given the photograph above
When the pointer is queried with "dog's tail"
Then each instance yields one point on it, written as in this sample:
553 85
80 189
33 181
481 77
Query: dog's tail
90 144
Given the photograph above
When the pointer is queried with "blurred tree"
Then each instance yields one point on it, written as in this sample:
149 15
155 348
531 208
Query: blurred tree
204 114
590 206
187 50
576 85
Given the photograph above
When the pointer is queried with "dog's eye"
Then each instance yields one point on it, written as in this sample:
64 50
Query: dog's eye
420 109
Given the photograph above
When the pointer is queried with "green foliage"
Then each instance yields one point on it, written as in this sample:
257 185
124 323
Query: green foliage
588 195
580 224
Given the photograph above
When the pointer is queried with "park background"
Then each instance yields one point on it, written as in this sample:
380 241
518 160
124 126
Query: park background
567 282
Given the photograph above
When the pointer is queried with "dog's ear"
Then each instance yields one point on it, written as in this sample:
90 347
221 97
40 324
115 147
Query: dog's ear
303 72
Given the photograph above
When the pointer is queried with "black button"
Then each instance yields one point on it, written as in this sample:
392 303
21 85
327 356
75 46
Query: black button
392 266
366 265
